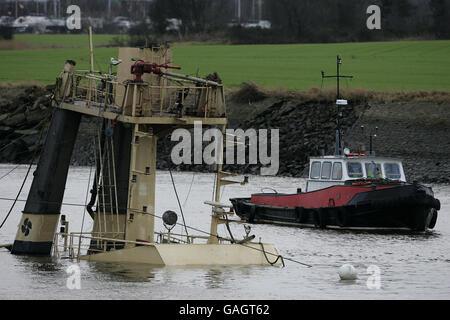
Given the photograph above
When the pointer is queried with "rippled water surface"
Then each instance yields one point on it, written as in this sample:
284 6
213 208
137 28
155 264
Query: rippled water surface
412 266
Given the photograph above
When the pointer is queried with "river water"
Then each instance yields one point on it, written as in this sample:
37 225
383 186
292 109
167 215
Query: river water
411 266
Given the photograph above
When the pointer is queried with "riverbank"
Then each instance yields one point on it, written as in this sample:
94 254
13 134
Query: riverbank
413 126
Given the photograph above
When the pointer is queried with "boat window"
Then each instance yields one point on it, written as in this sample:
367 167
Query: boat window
373 170
392 171
354 170
326 170
337 171
315 170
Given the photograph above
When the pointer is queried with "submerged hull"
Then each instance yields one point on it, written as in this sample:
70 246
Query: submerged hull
192 255
404 207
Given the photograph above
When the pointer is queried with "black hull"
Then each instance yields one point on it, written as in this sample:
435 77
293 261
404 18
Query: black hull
409 207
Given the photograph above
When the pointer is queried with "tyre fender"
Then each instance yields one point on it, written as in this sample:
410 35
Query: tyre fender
252 213
437 204
321 218
433 219
341 217
299 214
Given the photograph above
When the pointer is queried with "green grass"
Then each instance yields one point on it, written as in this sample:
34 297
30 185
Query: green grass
64 40
382 66
44 65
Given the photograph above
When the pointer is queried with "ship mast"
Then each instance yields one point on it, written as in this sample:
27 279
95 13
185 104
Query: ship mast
339 103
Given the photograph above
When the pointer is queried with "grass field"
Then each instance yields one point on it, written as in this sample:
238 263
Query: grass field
63 40
382 66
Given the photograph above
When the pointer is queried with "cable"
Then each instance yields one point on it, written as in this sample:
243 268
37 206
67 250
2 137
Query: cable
189 192
10 171
48 202
84 211
17 139
18 194
26 176
271 263
186 226
179 205
229 230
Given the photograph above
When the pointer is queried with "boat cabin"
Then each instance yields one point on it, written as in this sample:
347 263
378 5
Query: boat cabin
328 171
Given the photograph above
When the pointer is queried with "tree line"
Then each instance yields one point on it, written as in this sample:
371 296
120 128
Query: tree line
291 20
306 20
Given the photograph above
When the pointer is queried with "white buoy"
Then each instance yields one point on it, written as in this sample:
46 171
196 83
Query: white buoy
347 272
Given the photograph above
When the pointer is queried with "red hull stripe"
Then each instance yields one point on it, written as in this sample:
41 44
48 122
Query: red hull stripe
331 197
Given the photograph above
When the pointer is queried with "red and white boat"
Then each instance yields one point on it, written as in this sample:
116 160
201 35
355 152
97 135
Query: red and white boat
348 191
352 191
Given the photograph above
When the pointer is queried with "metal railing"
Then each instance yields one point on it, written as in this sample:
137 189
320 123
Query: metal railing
97 244
175 98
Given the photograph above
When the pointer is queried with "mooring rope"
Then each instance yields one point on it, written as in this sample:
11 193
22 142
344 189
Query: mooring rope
265 255
15 140
42 122
227 224
28 172
179 205
84 211
189 191
10 171
18 194
186 226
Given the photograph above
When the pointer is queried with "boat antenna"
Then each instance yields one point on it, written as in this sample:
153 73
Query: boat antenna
339 103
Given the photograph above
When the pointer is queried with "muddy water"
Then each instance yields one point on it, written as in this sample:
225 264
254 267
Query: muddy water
412 266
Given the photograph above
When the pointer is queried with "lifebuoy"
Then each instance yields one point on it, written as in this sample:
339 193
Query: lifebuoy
433 219
341 217
421 217
299 214
252 213
320 218
315 217
437 204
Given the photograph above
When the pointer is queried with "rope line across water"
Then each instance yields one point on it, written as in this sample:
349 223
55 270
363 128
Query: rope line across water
191 228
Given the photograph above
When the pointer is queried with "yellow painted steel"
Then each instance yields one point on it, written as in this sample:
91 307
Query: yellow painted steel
146 108
141 192
191 255
42 228
98 112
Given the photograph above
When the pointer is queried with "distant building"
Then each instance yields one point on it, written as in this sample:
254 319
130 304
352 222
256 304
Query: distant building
134 9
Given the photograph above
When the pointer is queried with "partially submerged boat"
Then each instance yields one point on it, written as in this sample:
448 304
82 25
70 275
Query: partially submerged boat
348 191
136 106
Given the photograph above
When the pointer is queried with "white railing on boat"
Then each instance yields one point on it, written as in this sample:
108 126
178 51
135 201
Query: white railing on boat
101 243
